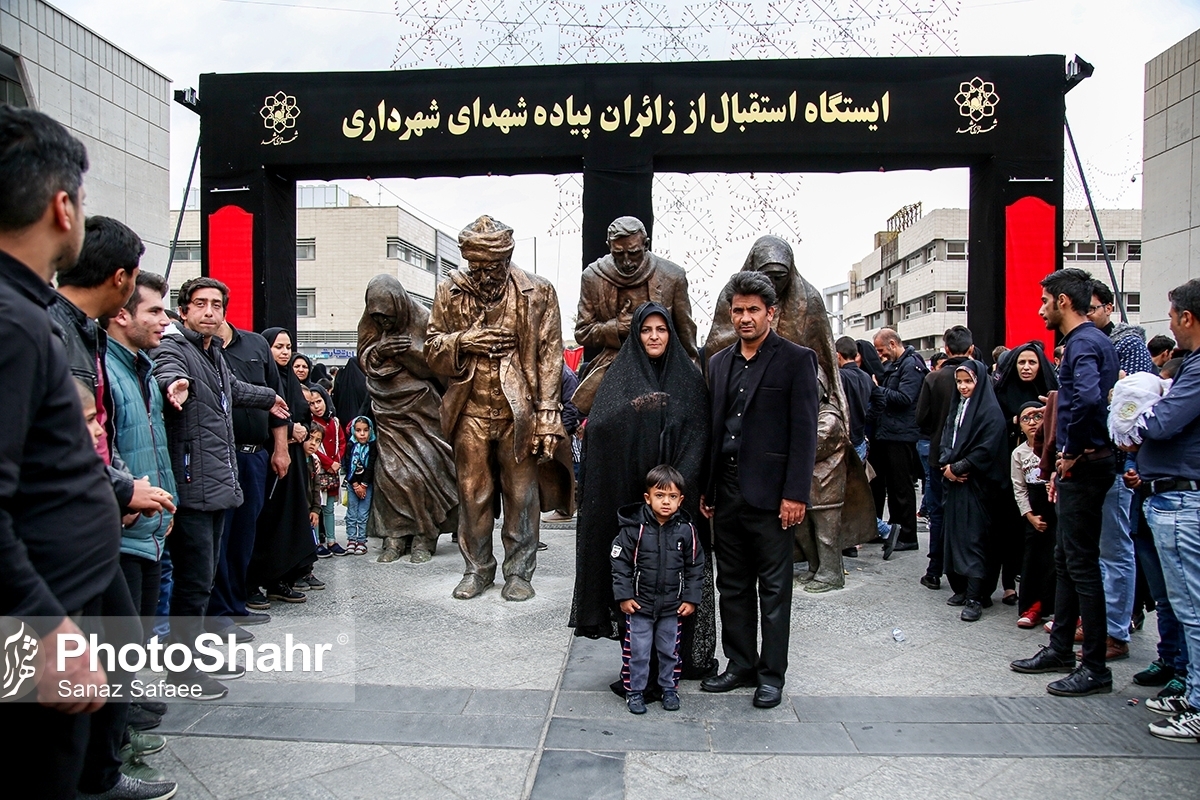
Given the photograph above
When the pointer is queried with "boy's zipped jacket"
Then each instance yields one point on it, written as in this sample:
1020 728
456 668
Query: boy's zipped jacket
658 566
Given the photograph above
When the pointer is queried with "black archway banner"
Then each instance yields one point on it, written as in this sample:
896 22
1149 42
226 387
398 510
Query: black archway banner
619 123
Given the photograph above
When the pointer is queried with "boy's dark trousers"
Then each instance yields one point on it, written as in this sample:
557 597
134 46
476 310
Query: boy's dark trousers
641 633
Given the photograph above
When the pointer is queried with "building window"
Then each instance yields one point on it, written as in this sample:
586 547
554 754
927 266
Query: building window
956 251
956 302
306 302
10 82
1135 251
447 268
1088 251
1133 302
398 248
187 251
306 249
174 298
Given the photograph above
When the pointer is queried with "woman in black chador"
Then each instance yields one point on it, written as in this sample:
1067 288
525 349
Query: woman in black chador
973 451
650 409
284 546
1023 374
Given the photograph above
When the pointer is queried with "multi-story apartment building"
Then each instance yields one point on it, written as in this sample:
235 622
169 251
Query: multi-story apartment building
342 242
915 280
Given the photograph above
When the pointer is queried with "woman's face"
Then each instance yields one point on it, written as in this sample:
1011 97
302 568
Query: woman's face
1027 365
655 334
281 349
965 380
300 367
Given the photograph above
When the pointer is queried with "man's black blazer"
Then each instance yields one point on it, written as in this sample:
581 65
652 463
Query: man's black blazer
779 429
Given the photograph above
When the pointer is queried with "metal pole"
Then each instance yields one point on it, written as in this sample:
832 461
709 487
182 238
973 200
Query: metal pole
182 210
1096 221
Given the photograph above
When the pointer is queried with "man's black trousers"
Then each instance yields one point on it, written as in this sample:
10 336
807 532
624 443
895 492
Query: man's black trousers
894 463
195 545
752 552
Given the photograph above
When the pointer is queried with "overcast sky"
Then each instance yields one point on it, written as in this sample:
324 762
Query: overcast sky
834 216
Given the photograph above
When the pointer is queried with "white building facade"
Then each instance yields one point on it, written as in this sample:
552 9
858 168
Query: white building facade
915 280
341 243
118 106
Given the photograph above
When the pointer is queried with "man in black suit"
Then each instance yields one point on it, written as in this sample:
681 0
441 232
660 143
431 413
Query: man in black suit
764 434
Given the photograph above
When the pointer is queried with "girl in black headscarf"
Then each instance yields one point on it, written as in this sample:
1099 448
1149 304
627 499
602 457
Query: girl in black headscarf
976 464
1022 375
285 547
650 409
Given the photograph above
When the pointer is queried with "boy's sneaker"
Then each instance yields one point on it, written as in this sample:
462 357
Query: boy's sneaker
142 744
314 583
323 552
300 585
250 618
1174 688
128 788
1168 706
636 703
142 718
285 593
670 700
258 601
336 549
209 688
1159 673
1183 727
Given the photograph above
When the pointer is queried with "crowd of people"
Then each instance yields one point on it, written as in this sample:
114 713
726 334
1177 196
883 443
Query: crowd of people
175 475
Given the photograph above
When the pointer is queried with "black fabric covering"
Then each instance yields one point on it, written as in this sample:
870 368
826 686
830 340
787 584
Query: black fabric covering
350 391
646 413
979 453
284 548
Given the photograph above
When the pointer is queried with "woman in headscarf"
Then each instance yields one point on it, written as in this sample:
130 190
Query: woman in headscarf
973 451
415 496
1022 375
284 546
302 366
349 390
650 409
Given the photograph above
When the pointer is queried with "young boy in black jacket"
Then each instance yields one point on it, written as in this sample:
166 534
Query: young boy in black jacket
658 574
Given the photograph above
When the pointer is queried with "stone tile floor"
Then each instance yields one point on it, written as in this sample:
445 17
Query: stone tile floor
483 698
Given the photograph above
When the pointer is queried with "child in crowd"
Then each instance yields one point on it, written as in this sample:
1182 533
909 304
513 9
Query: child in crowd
658 575
311 443
359 468
90 413
1029 489
329 460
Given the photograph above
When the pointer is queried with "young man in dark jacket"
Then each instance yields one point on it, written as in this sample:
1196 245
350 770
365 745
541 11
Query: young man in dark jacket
201 392
658 575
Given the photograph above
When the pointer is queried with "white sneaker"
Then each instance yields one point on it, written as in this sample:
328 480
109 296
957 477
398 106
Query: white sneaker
1168 706
1183 727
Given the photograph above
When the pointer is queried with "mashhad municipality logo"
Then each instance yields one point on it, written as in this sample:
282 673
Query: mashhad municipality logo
977 101
279 114
22 653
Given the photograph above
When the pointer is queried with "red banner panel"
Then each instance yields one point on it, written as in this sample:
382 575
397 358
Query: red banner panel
231 261
574 357
1029 257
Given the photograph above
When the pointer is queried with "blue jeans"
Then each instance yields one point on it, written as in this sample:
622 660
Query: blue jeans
1172 648
1175 519
881 527
327 519
356 516
923 452
1118 564
935 495
166 582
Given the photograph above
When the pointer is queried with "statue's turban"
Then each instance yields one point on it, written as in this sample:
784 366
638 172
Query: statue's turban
486 239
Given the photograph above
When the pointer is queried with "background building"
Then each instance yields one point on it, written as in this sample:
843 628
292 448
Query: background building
115 104
915 280
1171 176
342 241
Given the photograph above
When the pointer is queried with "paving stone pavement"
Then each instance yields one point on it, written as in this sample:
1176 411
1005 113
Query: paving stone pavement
483 698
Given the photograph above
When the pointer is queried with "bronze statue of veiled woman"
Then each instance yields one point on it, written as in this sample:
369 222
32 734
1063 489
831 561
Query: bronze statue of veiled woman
415 496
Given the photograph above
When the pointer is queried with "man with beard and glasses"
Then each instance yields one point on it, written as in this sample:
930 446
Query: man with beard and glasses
614 286
1085 468
495 336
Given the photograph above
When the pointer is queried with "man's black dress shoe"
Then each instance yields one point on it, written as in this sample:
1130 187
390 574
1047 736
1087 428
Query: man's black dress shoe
850 552
931 582
971 612
728 680
904 547
1046 660
767 696
889 545
957 599
1081 683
